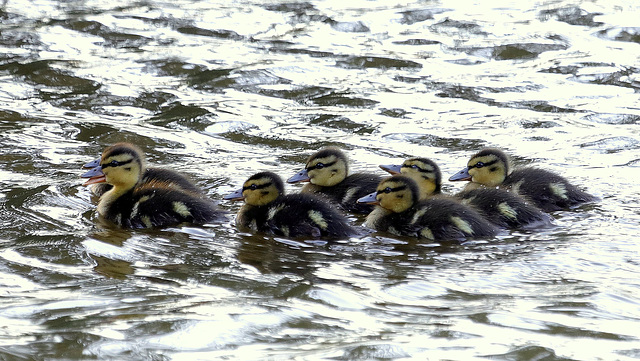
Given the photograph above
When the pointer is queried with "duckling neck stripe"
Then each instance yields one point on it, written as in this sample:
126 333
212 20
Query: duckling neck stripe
324 165
115 163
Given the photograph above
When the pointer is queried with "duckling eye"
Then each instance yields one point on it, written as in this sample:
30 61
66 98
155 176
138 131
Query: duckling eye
387 190
479 165
319 166
253 187
414 166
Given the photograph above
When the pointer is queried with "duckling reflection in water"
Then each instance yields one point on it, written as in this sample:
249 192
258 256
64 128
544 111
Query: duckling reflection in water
500 207
267 209
136 201
327 172
549 191
400 211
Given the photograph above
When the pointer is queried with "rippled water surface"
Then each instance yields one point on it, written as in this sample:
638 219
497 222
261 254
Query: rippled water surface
220 90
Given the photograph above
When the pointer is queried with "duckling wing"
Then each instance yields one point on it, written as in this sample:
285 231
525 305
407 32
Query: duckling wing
159 207
298 215
446 219
504 209
549 191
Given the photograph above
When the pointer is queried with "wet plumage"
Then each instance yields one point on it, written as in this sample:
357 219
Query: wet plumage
327 172
267 209
545 189
134 201
399 211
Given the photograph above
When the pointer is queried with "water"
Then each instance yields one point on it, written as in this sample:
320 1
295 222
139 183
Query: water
222 90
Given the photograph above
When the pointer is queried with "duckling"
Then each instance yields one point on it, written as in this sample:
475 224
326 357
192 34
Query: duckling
267 209
547 190
500 207
138 202
327 172
401 212
169 177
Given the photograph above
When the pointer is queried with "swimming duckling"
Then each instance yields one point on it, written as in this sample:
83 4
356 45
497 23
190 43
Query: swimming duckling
547 190
136 202
268 209
500 207
169 177
400 212
327 172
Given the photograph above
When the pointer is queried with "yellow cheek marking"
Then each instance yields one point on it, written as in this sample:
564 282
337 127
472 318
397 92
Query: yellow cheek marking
285 231
418 215
426 233
318 219
463 225
253 225
506 210
181 209
559 189
147 221
118 219
272 211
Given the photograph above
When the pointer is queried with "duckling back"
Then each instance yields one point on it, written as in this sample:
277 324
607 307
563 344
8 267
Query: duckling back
152 206
299 215
547 190
446 219
504 209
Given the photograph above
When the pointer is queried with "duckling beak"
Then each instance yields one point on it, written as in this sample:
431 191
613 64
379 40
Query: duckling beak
369 199
234 196
462 175
95 175
94 163
301 176
392 168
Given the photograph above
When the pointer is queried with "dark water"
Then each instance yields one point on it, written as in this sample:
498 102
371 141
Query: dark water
221 90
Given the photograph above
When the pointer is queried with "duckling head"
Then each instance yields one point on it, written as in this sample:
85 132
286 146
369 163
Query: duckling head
259 190
424 171
327 167
397 194
488 167
121 165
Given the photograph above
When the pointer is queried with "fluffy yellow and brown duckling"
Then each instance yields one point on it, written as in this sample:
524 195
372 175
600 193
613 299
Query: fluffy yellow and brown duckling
401 212
549 191
136 202
500 207
327 172
267 209
168 177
